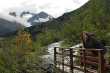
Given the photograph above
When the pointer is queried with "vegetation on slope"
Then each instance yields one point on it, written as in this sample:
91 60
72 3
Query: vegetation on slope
19 54
92 17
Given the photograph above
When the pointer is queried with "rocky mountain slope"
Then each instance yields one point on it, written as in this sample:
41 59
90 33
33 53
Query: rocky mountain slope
9 24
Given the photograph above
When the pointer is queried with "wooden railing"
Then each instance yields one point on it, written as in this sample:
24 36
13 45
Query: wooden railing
88 63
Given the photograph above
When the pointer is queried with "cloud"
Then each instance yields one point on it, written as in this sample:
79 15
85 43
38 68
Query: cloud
53 7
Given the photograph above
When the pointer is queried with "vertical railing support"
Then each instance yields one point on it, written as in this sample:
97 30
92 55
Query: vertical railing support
71 61
62 60
84 60
55 59
101 68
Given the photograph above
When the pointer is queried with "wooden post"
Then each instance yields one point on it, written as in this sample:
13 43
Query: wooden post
84 60
71 61
62 60
101 62
55 59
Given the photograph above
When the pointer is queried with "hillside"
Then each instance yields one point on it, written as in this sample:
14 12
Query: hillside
9 25
94 16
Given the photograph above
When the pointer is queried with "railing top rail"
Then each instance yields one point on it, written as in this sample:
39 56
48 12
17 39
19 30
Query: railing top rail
86 49
92 49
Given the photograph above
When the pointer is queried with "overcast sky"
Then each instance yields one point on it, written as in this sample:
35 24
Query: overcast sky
53 7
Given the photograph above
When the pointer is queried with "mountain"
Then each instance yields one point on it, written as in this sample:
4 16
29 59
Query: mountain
33 18
94 17
38 18
10 24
